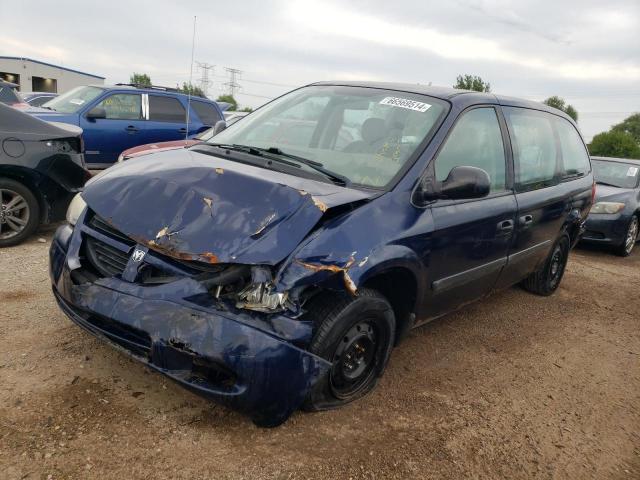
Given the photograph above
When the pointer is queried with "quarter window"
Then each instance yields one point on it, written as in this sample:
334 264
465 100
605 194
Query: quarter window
166 109
575 158
122 106
207 113
534 148
476 141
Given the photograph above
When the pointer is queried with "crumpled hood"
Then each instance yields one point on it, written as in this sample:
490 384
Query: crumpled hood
194 206
606 193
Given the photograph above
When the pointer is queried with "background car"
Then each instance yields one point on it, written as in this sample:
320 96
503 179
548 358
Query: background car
41 169
37 99
615 216
141 150
10 96
115 118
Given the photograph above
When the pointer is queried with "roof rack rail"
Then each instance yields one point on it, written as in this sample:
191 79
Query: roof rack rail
157 87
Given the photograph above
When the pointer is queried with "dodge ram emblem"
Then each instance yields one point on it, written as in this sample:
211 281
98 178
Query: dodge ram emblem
138 255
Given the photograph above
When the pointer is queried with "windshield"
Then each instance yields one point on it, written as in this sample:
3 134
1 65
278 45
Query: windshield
8 95
618 174
73 100
364 134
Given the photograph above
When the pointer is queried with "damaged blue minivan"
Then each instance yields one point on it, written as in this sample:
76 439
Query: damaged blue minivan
275 266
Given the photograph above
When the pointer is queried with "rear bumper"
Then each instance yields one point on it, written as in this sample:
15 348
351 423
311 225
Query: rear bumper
605 229
228 357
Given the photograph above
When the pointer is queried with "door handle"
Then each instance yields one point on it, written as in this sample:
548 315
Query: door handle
506 226
132 129
183 130
526 220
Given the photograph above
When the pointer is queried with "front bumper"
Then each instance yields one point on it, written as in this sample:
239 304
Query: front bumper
607 229
248 362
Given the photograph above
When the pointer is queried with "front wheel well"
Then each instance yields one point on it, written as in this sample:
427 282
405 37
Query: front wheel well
399 287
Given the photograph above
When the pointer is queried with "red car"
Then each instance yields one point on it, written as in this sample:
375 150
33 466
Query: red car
141 150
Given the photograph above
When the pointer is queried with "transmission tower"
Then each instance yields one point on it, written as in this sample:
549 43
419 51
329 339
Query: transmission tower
205 81
233 85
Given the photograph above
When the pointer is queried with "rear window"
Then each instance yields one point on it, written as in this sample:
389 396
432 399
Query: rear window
166 109
206 112
616 174
575 158
534 148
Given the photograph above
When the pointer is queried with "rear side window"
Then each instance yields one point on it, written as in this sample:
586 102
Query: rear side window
166 109
575 159
476 141
534 148
122 106
206 112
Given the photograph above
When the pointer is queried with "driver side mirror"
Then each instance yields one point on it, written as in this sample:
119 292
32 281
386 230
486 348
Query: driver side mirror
96 112
218 127
463 182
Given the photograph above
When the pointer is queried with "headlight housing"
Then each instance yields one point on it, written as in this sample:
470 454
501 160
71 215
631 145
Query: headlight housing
261 298
607 207
76 207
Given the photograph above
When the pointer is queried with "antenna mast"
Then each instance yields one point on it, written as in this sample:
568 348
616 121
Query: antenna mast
193 46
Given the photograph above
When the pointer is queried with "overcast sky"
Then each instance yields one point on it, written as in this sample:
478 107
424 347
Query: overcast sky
588 52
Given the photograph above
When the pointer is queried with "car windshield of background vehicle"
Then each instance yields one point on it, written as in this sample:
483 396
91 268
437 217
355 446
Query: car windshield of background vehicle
8 96
623 175
364 134
73 100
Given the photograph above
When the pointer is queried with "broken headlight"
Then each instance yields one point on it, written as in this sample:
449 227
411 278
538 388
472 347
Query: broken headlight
261 298
607 207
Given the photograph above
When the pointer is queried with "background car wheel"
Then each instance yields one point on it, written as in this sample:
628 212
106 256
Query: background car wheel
356 335
547 279
630 239
19 212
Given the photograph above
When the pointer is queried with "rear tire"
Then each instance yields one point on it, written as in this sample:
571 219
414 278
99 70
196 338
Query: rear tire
356 334
630 238
19 212
547 278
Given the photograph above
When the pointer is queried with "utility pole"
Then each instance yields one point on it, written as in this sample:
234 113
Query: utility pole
232 84
205 82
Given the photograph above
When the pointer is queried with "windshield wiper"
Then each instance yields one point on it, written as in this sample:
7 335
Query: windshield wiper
317 166
258 152
607 184
274 153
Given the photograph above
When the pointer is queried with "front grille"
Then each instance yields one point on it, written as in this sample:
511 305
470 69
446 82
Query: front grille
103 227
107 260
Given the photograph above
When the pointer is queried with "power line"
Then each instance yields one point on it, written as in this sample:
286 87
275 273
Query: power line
205 81
232 84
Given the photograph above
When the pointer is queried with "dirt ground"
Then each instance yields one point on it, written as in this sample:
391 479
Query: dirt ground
517 386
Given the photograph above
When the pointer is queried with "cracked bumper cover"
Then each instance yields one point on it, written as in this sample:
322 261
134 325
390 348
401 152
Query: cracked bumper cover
228 357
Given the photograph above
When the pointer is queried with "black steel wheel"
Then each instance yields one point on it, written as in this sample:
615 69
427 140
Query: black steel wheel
356 334
19 212
547 278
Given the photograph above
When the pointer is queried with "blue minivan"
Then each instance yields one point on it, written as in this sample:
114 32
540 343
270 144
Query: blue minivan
275 265
115 118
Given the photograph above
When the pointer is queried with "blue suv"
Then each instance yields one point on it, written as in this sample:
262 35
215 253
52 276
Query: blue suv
119 117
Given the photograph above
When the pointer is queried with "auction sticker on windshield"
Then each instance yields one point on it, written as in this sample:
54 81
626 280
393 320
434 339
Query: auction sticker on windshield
632 171
405 103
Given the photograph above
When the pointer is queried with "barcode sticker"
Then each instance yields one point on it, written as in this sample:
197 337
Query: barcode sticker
405 103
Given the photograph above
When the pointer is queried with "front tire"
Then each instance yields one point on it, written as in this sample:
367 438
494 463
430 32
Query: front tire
547 278
356 334
630 238
19 212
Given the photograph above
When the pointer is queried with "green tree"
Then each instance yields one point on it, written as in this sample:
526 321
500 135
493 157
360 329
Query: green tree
560 104
614 144
630 125
194 90
140 79
229 99
472 82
